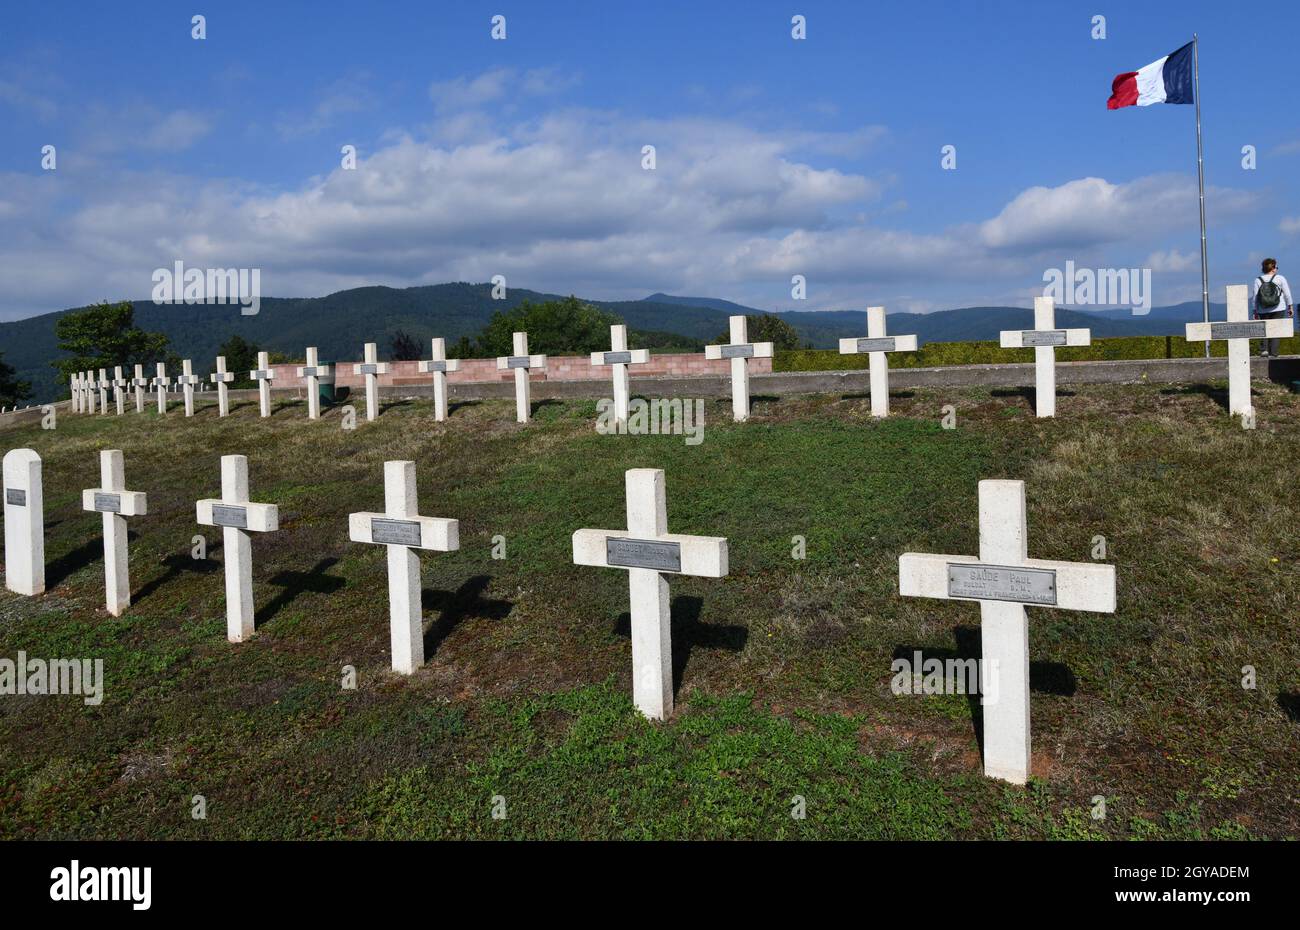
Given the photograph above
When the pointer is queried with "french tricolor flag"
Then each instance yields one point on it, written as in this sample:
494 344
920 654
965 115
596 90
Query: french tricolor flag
1168 80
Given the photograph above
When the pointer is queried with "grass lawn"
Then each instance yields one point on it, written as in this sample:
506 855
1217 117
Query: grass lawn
783 666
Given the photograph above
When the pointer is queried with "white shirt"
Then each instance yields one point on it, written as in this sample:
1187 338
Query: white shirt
1281 282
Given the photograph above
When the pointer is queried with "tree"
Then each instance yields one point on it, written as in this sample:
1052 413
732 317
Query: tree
767 327
105 335
554 327
403 347
11 389
241 358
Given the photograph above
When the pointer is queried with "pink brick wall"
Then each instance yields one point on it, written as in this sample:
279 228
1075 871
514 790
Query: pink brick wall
558 368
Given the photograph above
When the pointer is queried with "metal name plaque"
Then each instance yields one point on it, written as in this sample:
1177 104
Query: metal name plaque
644 553
745 351
436 366
264 375
884 344
368 370
226 515
618 358
1252 329
108 503
1050 337
16 496
1002 583
518 361
309 372
395 532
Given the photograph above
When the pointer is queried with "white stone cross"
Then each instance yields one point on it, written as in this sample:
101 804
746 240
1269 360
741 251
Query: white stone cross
314 372
140 383
439 365
263 374
372 368
74 391
618 358
1044 338
1238 330
120 384
237 517
187 381
647 550
116 503
522 363
222 378
401 528
739 350
875 346
1004 580
24 522
160 384
102 385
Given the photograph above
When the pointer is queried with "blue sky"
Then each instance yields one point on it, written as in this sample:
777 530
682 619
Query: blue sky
522 157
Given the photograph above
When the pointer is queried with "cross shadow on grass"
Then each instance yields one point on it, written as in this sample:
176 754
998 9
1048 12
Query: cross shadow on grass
178 565
905 395
292 584
1029 394
1289 701
454 606
393 405
457 405
1217 394
1044 677
68 564
536 406
688 632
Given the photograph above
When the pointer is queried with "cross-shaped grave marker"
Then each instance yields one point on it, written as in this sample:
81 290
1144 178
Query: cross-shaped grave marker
315 373
140 383
222 379
1044 338
647 550
187 381
1238 330
263 374
439 365
102 384
74 391
1004 580
372 368
120 384
522 363
24 522
237 517
116 503
875 346
618 358
160 384
401 528
739 350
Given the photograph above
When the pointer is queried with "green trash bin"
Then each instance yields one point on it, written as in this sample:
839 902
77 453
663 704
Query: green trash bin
326 385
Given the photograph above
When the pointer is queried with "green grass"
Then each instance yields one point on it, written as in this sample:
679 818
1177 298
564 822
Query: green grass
784 693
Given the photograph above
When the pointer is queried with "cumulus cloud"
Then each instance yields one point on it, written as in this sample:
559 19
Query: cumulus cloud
560 202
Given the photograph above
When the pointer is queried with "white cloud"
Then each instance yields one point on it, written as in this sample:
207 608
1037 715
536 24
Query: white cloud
1290 225
1171 260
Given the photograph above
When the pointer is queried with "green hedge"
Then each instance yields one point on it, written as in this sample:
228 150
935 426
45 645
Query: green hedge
939 354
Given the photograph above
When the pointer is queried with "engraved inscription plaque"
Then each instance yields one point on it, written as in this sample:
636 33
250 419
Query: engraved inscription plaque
108 503
1048 337
1251 329
263 375
436 366
309 371
745 351
517 361
395 532
644 553
1002 583
368 369
885 344
617 358
228 515
16 496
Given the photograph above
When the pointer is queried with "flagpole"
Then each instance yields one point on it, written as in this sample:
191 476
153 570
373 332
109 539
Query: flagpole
1200 177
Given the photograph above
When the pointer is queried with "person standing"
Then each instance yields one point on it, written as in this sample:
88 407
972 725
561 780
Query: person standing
1271 298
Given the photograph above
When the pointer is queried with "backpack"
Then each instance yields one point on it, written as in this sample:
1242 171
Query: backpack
1269 295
